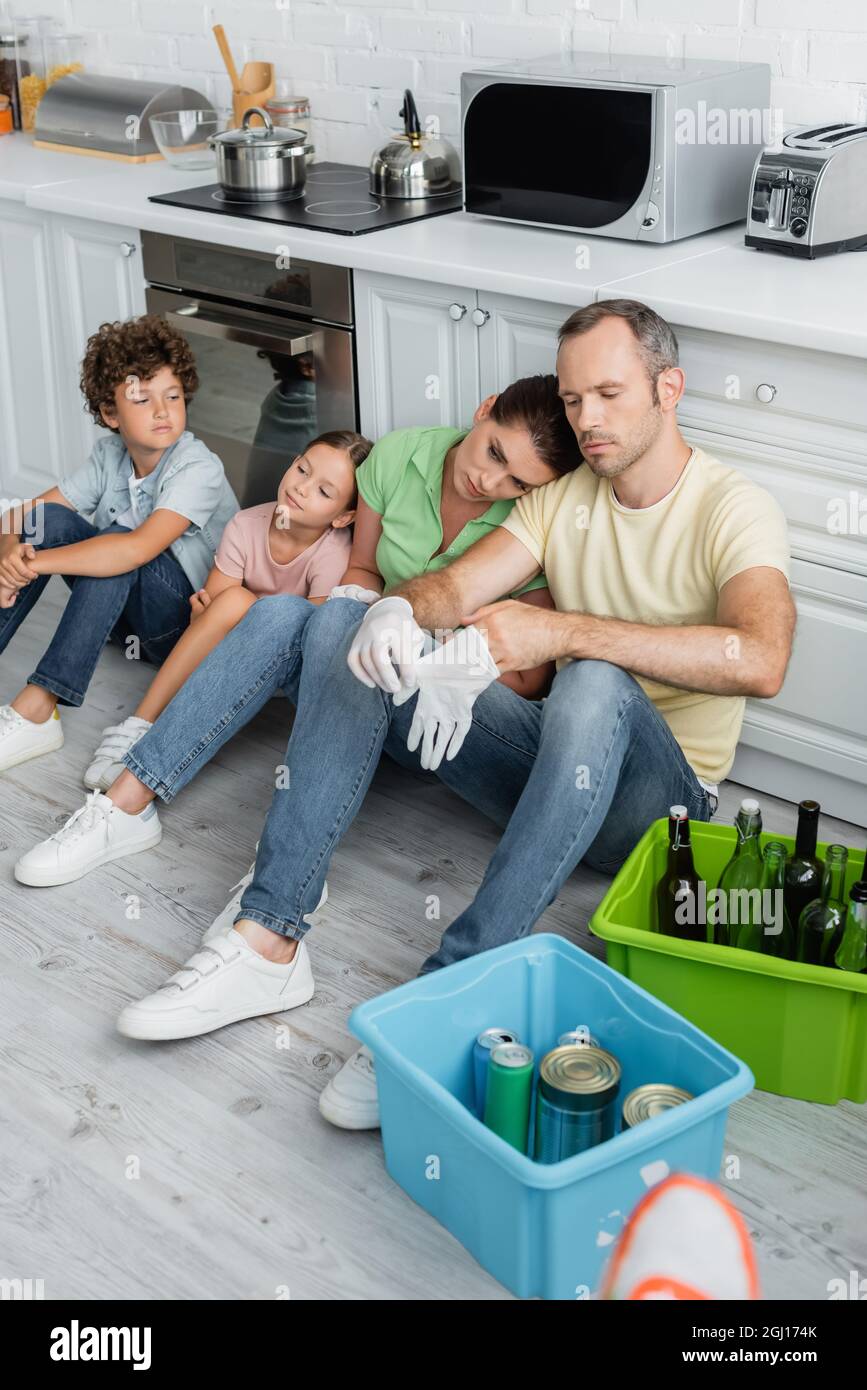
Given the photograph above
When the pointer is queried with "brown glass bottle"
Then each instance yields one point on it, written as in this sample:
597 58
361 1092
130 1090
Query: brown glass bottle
679 908
802 882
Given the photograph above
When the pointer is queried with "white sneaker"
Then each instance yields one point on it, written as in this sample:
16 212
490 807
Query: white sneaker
226 920
97 833
350 1100
117 740
223 982
21 739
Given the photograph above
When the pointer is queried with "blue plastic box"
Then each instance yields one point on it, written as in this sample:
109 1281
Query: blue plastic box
543 1230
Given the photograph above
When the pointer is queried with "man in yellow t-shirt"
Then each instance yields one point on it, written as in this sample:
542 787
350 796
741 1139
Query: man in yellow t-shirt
669 572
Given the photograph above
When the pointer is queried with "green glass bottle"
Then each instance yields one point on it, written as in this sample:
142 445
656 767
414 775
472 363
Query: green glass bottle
820 929
852 951
773 935
741 879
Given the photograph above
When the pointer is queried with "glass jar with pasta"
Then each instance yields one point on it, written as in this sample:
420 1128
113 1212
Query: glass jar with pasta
30 67
64 54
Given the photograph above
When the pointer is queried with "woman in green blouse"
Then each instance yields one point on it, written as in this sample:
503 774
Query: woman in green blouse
426 495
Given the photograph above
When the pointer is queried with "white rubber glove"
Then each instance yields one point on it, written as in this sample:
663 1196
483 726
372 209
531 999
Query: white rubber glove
355 591
449 680
388 637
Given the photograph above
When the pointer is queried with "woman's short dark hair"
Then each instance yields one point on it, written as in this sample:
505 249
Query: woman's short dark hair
532 404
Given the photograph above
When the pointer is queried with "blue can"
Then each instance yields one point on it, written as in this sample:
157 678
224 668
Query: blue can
576 1102
487 1040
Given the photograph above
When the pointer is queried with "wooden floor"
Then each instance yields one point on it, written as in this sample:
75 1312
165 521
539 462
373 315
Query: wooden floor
202 1169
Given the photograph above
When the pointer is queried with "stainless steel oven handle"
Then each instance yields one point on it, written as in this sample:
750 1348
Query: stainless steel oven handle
251 337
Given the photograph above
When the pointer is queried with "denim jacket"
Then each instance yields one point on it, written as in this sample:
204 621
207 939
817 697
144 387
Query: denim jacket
189 479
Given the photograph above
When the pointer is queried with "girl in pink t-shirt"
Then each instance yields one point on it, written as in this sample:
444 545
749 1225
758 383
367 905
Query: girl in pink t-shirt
299 544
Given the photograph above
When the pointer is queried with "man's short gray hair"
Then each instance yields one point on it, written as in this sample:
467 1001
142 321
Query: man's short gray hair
656 341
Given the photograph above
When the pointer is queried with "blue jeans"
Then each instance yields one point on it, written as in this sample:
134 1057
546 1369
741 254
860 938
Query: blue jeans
577 776
151 603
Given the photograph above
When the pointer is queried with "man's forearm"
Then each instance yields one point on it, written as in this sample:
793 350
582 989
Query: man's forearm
715 660
435 599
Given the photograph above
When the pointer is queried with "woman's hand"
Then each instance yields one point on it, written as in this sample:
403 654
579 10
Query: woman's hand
15 569
198 603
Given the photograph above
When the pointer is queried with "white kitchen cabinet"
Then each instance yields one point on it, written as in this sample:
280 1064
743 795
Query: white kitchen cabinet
60 278
427 353
32 427
101 281
793 420
811 739
416 353
515 338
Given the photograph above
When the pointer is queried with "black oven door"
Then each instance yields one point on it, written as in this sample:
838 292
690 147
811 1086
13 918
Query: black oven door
565 156
268 384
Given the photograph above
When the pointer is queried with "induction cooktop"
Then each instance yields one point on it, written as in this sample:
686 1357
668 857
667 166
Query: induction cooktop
335 198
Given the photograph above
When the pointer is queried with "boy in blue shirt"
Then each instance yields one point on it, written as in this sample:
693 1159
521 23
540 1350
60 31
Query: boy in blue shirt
158 501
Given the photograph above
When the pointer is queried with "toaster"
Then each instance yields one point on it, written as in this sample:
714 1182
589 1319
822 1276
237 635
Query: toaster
809 193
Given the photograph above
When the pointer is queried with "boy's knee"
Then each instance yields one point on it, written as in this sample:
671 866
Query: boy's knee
43 521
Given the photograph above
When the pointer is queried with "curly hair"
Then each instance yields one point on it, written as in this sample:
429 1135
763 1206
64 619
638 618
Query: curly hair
138 348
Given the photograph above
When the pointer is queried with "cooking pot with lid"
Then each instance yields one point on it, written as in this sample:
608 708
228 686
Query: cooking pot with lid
262 162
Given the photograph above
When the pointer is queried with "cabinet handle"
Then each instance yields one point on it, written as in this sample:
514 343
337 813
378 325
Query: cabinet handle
765 392
457 311
480 317
127 248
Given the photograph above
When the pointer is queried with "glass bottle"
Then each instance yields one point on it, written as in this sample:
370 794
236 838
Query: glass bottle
741 879
852 951
773 934
803 879
820 928
680 911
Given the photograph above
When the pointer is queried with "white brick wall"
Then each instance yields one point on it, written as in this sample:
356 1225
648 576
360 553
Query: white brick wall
353 57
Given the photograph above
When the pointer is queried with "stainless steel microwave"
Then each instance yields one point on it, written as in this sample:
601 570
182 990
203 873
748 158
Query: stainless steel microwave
644 149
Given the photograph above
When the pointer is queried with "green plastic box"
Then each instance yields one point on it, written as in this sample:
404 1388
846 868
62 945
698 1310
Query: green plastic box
802 1029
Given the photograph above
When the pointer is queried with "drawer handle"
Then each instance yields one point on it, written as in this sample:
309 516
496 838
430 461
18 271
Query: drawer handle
765 393
457 311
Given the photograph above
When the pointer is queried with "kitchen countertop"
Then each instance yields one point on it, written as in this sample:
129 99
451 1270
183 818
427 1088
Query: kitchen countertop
710 282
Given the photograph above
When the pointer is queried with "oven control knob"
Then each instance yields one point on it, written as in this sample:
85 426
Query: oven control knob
480 317
457 311
765 393
798 227
652 216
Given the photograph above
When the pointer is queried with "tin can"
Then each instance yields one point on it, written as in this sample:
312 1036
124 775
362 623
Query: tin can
576 1101
488 1039
510 1085
577 1037
653 1099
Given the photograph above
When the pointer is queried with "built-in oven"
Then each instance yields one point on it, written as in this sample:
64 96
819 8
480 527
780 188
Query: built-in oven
274 344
